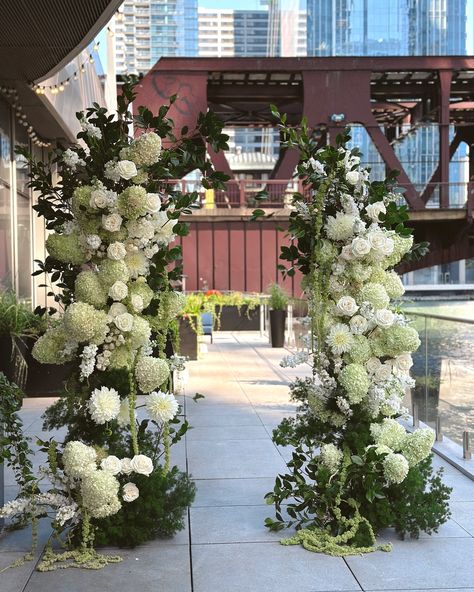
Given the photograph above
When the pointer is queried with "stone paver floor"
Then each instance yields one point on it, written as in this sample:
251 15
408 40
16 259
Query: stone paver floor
225 546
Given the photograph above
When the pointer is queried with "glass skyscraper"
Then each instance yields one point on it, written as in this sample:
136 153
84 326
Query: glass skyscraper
151 29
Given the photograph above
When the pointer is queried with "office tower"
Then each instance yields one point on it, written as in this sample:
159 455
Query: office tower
151 29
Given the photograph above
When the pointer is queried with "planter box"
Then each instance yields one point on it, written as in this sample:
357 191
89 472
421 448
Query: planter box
7 365
188 345
244 320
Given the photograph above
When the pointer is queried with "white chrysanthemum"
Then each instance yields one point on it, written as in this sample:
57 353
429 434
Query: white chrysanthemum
161 406
137 264
112 464
395 468
340 227
339 338
104 405
331 457
130 492
99 492
78 459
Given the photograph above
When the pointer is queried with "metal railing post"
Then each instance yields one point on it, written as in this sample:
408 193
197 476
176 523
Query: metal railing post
438 430
466 446
416 416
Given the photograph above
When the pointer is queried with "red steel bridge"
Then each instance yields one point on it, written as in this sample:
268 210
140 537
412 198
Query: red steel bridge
391 97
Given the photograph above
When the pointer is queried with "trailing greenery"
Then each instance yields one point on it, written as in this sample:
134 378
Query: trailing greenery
15 450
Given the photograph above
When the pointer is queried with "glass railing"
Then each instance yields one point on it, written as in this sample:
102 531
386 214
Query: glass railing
444 372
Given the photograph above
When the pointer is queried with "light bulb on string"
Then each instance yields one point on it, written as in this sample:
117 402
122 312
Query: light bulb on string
91 59
61 87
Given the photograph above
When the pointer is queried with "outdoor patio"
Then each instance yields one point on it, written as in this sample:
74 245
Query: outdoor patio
225 546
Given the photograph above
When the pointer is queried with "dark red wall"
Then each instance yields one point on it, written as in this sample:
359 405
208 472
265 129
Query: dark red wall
235 255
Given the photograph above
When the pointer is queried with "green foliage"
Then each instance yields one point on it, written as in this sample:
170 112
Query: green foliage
17 318
14 445
278 298
158 512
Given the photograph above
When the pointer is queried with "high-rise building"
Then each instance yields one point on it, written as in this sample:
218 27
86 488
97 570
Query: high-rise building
150 29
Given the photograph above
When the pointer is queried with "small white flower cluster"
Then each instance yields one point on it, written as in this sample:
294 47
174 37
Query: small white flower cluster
72 160
293 360
91 130
87 361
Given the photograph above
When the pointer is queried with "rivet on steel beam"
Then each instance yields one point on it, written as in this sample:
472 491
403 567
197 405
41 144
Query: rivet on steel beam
438 430
466 446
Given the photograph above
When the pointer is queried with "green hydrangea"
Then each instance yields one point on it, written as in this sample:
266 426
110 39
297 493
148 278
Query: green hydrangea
81 198
399 339
394 285
360 350
99 493
140 333
331 457
144 151
355 381
388 433
377 344
112 271
418 445
132 202
121 358
84 323
113 237
395 468
402 245
87 288
66 248
151 373
375 294
140 179
360 272
142 289
51 348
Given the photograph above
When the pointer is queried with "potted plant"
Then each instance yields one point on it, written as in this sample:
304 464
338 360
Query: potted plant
277 302
238 312
19 328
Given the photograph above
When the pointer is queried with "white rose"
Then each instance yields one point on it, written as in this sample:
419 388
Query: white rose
380 242
353 177
403 362
124 322
346 306
99 199
384 318
93 241
142 464
126 466
126 169
360 247
372 365
375 209
383 372
358 324
112 222
130 492
153 203
347 253
116 251
118 290
111 464
116 309
137 302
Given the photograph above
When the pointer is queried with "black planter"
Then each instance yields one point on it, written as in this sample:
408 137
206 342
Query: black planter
188 343
277 327
233 319
7 360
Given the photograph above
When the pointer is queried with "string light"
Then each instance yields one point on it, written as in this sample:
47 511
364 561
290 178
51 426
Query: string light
11 94
54 89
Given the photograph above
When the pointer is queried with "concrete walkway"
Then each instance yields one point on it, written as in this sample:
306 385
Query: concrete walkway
225 547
